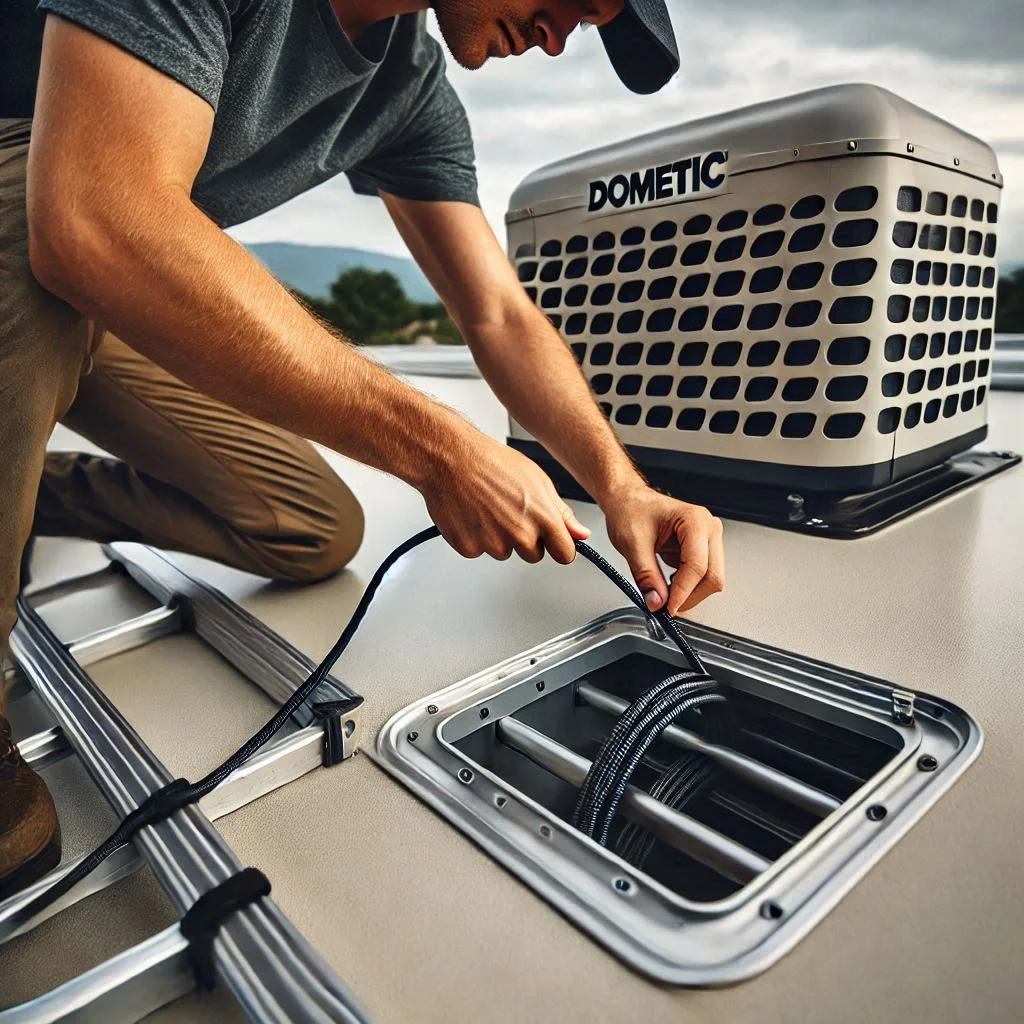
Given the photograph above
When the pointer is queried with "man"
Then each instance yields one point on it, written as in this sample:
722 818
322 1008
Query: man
127 313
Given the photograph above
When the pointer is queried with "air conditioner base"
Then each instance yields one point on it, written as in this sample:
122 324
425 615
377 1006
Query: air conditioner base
823 513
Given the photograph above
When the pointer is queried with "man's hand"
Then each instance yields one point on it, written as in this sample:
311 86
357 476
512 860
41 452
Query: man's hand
533 373
488 499
643 524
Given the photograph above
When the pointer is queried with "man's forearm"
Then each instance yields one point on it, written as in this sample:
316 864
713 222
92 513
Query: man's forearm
536 377
170 283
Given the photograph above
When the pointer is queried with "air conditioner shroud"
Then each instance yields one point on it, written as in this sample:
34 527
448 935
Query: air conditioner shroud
820 321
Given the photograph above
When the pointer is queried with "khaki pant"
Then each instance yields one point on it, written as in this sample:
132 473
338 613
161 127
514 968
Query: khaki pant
190 474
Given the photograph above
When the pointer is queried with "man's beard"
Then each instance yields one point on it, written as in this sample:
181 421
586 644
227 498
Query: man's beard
469 29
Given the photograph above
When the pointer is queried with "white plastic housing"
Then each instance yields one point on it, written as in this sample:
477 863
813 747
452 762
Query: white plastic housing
799 291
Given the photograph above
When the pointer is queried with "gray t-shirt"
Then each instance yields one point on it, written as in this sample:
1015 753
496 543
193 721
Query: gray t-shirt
296 101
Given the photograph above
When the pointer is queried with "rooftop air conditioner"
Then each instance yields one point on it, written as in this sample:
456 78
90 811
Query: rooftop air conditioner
785 311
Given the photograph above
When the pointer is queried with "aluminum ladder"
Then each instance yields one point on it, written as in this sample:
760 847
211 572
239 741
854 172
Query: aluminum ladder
270 969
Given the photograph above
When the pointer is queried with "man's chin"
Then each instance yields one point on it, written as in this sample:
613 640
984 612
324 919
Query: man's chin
466 55
470 60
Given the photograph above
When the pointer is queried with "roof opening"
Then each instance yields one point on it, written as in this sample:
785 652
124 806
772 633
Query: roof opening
784 801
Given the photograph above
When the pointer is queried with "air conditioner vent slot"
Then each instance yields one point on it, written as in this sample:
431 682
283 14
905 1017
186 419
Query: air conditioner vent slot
709 829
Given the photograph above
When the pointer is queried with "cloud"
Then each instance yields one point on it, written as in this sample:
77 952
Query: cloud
962 62
991 31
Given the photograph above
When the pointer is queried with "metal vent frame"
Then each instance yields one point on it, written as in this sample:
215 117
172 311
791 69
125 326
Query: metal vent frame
651 928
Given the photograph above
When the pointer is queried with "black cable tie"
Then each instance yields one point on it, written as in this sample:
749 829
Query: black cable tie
204 918
331 712
156 807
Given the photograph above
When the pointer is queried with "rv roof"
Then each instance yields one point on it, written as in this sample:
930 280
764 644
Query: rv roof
424 926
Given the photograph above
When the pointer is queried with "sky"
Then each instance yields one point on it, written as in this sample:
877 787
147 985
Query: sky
960 59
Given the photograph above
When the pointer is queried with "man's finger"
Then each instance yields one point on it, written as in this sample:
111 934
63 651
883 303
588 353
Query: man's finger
531 553
575 527
558 540
714 579
643 564
694 557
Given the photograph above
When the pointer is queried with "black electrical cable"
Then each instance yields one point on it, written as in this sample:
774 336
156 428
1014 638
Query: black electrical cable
664 713
603 767
637 729
662 617
619 758
606 780
180 793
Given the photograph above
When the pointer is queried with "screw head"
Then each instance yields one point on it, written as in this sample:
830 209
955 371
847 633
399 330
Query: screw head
484 712
876 812
545 831
413 737
927 763
851 145
431 709
465 775
622 885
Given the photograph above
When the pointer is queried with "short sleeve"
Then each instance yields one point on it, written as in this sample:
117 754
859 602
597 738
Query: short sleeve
186 39
429 158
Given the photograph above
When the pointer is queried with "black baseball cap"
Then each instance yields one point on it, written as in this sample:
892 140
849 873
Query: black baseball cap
641 45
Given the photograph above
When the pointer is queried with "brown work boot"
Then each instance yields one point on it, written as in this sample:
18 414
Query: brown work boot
29 833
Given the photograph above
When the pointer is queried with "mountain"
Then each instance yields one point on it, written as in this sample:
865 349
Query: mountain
312 268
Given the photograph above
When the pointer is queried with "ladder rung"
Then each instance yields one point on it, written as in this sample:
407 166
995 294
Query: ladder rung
274 766
127 635
118 865
72 585
121 990
46 747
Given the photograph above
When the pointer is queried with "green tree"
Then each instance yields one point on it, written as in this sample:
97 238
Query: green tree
371 308
369 302
1010 303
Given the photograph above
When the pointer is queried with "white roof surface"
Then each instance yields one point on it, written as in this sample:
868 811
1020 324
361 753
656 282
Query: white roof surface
424 926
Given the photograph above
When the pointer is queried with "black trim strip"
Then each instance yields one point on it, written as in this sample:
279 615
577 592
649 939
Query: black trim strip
837 513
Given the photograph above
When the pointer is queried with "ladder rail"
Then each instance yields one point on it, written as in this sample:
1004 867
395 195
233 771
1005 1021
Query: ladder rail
252 647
